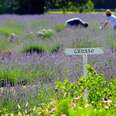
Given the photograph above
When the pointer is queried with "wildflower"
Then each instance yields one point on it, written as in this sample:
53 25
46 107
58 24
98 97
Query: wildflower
76 99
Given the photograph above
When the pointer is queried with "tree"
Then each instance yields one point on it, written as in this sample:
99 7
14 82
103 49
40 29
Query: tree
8 6
22 6
109 4
89 5
31 6
80 5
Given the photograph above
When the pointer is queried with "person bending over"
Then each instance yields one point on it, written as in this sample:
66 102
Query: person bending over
76 22
111 19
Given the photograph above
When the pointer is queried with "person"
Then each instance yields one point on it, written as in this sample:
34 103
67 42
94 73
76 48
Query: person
76 22
111 19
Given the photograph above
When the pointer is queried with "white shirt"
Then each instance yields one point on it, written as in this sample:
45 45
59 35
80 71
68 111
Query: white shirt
112 20
73 19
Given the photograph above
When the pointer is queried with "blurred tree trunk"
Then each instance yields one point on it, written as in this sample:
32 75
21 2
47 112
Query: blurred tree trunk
31 6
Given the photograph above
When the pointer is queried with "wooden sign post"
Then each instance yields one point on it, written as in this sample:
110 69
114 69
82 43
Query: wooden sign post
84 52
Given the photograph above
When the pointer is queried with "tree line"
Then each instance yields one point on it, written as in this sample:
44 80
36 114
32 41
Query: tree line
22 6
40 6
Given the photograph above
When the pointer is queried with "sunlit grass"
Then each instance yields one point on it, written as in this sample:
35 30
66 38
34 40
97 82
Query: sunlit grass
12 27
39 48
22 76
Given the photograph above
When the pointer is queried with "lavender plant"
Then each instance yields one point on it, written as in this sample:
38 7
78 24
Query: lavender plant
56 66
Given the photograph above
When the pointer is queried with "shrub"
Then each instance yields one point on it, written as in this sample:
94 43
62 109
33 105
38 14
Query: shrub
39 49
45 33
34 48
12 77
97 87
54 48
69 98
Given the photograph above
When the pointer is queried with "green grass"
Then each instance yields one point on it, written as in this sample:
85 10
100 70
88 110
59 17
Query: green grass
24 76
34 48
114 45
54 48
12 27
76 12
39 48
5 45
15 76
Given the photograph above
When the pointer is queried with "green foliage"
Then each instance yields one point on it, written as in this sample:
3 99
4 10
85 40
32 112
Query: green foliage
34 48
23 76
97 87
15 76
45 95
5 46
7 105
45 33
81 111
11 27
39 48
6 31
66 89
54 48
69 98
89 6
21 7
113 45
62 107
28 6
8 6
71 5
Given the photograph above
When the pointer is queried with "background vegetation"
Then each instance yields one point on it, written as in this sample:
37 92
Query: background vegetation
40 6
36 78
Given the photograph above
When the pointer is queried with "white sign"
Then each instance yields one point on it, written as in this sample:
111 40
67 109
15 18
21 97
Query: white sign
81 51
84 52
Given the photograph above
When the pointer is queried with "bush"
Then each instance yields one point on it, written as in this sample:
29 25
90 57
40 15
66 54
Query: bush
45 33
69 98
97 87
39 49
34 48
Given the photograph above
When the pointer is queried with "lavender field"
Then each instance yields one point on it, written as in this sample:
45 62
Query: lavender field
24 72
